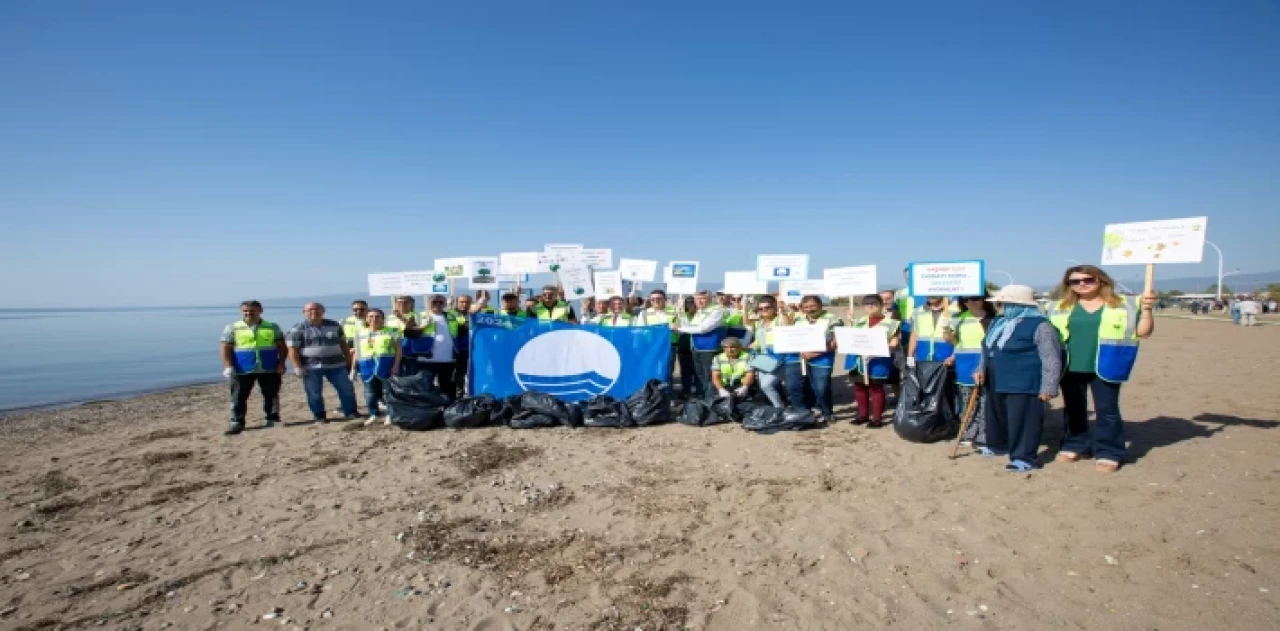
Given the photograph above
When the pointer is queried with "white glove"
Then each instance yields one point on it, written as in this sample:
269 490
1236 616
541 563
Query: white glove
742 391
228 373
722 392
911 362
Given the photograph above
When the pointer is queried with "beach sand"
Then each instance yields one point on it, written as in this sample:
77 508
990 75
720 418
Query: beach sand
140 514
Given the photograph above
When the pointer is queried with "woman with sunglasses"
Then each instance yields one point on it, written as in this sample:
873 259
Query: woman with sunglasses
768 365
868 375
1101 332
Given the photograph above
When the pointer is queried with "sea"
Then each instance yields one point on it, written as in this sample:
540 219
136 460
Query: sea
61 357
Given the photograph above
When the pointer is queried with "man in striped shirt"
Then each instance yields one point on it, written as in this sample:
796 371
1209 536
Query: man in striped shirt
318 350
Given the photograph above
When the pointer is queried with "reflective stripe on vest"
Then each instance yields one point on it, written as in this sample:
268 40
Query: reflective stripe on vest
255 350
351 326
558 312
732 371
1117 338
930 344
968 350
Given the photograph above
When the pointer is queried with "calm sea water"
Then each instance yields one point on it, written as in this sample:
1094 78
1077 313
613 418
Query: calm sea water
59 357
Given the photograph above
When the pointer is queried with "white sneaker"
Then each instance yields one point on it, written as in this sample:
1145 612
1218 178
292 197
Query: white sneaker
371 420
386 421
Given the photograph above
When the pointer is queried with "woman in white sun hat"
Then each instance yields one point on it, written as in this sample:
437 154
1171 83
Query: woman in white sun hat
1021 366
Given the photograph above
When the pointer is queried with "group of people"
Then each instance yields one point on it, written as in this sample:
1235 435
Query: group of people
1004 354
1246 309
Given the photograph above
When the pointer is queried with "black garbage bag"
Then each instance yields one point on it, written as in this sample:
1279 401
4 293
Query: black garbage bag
470 412
698 413
650 405
545 404
504 410
765 419
926 412
726 409
606 411
414 404
532 420
744 408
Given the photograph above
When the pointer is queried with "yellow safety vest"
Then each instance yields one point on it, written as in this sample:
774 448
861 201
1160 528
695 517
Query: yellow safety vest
559 312
1117 338
255 351
732 371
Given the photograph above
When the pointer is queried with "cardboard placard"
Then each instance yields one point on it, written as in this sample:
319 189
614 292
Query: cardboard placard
457 267
1146 242
638 269
597 258
947 278
608 285
744 284
795 291
799 339
865 341
577 283
484 273
386 284
782 267
683 277
518 263
849 281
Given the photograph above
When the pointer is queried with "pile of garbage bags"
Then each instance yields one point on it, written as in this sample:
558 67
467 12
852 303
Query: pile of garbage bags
926 410
415 405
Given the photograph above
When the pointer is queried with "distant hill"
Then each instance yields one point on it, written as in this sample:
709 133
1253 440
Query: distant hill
1239 283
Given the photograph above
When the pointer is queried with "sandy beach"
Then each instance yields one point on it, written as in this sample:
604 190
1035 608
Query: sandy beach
139 514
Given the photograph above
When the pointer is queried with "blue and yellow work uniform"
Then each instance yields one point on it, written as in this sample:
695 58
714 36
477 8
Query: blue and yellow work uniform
376 352
665 317
907 306
879 367
827 322
931 344
709 341
255 349
969 335
733 323
351 326
1117 338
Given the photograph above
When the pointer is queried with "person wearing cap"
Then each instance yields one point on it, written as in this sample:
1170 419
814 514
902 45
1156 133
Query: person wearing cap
814 388
731 372
660 314
970 330
769 365
615 314
1101 331
869 374
1020 365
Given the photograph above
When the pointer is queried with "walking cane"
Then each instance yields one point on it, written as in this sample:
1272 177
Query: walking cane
969 409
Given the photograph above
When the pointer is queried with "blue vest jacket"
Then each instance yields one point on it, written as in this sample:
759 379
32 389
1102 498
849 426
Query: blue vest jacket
1015 369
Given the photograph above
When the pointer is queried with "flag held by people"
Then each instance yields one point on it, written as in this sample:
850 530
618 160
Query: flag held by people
572 362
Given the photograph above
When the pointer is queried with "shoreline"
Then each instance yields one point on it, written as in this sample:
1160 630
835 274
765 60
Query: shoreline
115 398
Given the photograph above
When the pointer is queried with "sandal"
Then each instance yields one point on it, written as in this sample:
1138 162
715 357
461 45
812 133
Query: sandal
1069 456
1108 466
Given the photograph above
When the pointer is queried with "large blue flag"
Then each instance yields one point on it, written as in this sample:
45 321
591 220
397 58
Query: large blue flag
510 355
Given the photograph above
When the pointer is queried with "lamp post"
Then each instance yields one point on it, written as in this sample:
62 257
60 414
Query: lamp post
1220 274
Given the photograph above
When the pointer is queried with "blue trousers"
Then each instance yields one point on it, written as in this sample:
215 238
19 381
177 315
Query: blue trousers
1105 439
811 391
313 384
1015 422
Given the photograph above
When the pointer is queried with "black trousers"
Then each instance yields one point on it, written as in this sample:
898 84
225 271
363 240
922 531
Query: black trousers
242 386
462 361
702 361
441 374
1014 423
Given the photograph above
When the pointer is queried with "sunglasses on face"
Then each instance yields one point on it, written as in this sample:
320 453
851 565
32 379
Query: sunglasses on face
437 302
1087 280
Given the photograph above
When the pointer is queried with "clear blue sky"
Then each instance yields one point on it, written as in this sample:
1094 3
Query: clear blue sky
180 153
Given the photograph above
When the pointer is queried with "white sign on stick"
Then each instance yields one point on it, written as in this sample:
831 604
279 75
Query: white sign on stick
484 273
577 283
867 342
419 283
799 339
947 278
563 255
782 267
795 291
744 284
608 285
598 258
1168 241
850 281
518 263
459 267
638 269
386 284
683 278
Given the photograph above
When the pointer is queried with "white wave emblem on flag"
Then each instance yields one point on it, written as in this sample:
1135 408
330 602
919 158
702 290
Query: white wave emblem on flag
570 365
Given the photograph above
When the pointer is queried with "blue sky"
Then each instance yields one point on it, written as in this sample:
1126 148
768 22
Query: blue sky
199 153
